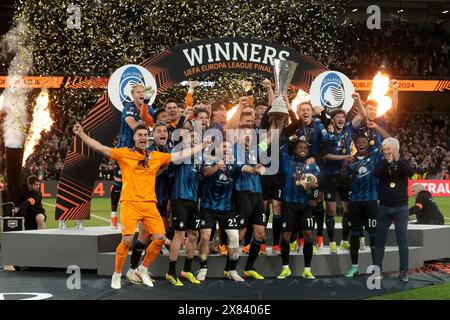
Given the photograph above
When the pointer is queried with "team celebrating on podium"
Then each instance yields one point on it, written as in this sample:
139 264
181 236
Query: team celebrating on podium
185 173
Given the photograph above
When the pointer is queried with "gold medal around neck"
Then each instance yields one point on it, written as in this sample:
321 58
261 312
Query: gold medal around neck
372 142
344 151
392 185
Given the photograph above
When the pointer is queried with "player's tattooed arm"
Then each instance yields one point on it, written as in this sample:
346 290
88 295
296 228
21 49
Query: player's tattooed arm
259 169
133 123
211 170
373 125
92 143
361 111
344 172
187 153
391 112
336 157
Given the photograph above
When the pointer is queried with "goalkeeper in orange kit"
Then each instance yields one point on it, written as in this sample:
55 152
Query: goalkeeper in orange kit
138 200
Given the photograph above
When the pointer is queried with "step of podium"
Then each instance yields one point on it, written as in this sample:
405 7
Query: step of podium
93 248
323 263
54 248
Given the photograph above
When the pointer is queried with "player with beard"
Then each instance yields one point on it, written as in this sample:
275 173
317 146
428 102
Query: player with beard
311 130
130 119
161 139
185 214
363 204
374 127
341 138
217 206
138 199
173 113
300 176
249 202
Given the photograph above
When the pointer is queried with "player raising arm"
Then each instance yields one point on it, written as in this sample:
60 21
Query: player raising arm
138 198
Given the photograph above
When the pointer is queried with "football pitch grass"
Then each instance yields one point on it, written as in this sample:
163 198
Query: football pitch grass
432 292
100 211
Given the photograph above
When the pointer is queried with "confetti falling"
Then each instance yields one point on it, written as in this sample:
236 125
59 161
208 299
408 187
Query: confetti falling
114 33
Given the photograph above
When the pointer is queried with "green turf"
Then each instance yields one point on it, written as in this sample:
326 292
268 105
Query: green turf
101 210
432 292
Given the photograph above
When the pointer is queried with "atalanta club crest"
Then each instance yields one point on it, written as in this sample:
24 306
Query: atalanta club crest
332 90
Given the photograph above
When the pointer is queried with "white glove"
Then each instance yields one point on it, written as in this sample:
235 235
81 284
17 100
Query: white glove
148 93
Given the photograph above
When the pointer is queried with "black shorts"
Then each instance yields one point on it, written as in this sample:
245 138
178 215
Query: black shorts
362 213
162 208
250 209
117 171
185 215
226 219
30 219
296 215
314 194
271 187
335 186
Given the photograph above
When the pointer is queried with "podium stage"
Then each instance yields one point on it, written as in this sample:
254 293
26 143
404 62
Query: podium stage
94 248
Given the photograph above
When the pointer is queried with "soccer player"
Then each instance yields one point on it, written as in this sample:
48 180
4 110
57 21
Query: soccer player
377 135
161 139
130 119
296 209
173 113
341 139
311 130
185 214
363 204
202 116
220 173
218 115
31 207
249 201
138 199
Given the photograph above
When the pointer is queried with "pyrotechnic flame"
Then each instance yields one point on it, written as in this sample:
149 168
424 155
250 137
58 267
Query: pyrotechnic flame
41 122
380 88
231 112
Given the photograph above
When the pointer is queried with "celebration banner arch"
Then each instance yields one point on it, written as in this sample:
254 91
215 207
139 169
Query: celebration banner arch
169 67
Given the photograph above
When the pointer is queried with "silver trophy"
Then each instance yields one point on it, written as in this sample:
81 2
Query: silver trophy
283 71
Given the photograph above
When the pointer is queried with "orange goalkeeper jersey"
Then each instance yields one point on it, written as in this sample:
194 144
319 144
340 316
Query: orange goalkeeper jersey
138 181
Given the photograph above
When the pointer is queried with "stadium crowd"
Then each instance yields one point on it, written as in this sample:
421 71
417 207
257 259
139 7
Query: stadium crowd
405 50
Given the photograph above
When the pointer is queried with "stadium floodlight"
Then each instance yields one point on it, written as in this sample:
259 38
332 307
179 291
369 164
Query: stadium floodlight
445 11
354 10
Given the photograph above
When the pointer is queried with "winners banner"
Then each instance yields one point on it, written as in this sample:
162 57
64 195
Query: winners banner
437 188
167 68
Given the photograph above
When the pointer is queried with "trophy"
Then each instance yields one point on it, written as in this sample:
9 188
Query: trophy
283 71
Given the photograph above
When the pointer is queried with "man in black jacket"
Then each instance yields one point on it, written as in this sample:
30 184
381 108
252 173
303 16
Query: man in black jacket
393 173
425 209
31 207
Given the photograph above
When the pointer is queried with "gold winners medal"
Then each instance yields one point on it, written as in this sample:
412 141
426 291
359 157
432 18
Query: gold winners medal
392 185
372 142
344 151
